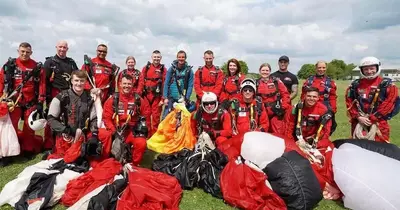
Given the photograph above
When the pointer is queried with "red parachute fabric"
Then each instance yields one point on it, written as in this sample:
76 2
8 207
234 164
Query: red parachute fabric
245 188
150 190
232 147
103 173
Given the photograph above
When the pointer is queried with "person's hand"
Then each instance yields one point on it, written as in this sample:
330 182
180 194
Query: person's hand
364 121
166 101
161 103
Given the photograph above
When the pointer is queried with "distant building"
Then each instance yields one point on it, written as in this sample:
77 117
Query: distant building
391 73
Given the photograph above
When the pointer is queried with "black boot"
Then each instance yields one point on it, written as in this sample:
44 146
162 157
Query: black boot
5 161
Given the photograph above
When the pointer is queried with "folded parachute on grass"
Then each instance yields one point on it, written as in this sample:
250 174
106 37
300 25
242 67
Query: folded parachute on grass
174 132
367 174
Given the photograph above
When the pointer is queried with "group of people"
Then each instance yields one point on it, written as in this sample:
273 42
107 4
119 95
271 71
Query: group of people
88 107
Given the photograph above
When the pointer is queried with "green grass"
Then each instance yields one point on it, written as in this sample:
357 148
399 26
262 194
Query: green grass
197 199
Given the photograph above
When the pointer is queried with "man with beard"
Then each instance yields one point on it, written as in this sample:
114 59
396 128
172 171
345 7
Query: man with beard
58 70
178 84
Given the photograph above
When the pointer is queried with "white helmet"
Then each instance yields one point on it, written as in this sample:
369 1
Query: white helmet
207 98
370 61
36 124
248 82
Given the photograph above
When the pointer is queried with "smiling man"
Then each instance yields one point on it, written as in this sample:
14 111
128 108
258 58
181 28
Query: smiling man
290 80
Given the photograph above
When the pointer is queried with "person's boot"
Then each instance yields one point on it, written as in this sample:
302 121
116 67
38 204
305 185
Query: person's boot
5 161
29 155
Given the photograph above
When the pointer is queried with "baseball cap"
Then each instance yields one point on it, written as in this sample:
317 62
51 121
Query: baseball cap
284 57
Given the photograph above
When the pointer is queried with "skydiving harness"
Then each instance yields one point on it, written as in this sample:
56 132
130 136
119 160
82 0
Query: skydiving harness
10 69
237 83
208 84
90 65
215 124
177 79
131 111
55 67
157 89
136 76
325 92
276 106
254 115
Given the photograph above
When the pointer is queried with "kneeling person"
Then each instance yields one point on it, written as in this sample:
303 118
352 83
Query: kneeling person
123 116
212 119
248 112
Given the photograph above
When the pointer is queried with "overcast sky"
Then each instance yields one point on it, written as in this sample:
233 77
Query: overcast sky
252 30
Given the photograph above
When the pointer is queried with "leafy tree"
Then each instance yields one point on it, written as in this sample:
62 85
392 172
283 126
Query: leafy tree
305 71
243 67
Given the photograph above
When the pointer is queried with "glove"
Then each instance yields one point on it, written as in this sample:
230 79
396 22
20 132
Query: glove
39 111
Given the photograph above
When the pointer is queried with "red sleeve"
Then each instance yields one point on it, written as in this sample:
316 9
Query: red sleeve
42 86
291 120
197 87
386 106
326 130
108 113
144 109
333 96
284 95
351 107
219 83
226 125
224 95
141 80
163 79
264 121
193 123
88 86
140 84
303 93
1 81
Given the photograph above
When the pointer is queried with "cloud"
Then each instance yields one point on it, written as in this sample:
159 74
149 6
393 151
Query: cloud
256 31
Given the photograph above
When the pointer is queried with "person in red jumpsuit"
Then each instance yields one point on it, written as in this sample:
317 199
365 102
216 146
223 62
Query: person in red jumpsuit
73 118
129 110
101 72
28 74
327 89
212 119
248 111
309 126
371 101
208 78
152 78
276 99
137 86
232 81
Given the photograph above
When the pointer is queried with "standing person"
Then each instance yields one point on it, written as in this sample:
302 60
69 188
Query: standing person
208 78
327 89
232 81
371 101
137 86
101 72
178 84
58 70
275 98
22 84
126 104
153 77
290 80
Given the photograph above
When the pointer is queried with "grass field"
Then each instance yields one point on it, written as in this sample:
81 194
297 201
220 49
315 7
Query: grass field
199 200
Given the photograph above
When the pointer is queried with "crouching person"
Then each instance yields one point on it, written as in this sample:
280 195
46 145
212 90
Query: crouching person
248 112
212 119
72 116
123 116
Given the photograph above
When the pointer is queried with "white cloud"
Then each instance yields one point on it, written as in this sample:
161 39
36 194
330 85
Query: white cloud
256 31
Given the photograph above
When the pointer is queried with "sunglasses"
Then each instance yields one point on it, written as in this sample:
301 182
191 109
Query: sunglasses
209 103
248 90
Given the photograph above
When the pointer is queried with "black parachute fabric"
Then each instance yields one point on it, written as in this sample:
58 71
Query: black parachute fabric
166 163
293 179
210 170
108 197
39 191
386 149
80 166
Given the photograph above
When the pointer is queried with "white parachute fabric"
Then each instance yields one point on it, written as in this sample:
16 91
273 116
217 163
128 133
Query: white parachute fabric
261 148
367 179
9 145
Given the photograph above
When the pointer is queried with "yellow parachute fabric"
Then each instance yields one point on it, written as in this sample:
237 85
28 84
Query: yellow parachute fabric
171 138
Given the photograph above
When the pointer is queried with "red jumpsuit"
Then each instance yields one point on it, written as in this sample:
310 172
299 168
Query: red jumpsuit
220 129
137 84
231 87
153 83
366 90
126 102
211 80
243 117
29 142
268 90
319 82
102 74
